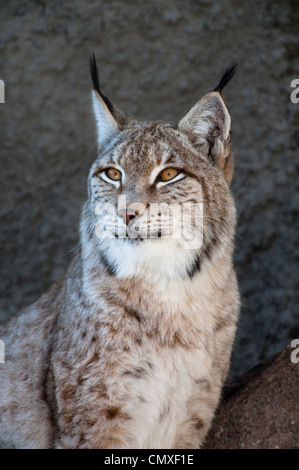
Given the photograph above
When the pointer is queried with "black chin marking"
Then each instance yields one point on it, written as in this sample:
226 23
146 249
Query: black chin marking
111 268
134 241
209 247
131 240
194 268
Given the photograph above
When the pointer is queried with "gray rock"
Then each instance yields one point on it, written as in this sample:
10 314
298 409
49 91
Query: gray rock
156 61
260 410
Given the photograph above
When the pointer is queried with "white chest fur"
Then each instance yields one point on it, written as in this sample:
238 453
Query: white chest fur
160 402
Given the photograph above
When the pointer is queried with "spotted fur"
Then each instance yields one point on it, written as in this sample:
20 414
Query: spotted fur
131 348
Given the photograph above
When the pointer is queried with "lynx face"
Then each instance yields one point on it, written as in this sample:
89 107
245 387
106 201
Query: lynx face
159 200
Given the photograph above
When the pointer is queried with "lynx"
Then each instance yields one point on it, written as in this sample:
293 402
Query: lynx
131 348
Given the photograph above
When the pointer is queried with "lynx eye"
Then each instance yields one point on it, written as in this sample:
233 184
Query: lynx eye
113 174
168 174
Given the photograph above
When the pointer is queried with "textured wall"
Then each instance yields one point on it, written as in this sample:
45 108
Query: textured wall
157 58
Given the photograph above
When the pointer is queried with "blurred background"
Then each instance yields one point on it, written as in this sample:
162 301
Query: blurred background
156 59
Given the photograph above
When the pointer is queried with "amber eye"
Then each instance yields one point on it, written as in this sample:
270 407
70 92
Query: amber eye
168 174
113 174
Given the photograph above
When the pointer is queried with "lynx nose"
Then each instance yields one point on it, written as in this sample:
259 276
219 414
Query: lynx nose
127 215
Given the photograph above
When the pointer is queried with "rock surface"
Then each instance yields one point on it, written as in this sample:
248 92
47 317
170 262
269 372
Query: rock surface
156 59
261 409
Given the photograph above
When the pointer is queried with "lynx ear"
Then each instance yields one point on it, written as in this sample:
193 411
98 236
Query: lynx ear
107 127
208 119
208 126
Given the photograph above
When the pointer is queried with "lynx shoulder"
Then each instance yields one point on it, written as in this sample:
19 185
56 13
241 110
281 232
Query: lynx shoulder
132 347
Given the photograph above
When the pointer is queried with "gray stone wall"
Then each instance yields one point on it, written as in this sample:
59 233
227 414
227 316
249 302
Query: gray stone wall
157 58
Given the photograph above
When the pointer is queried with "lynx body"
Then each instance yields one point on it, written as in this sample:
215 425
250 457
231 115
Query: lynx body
132 347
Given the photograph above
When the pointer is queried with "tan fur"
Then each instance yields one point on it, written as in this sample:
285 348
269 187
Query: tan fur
131 348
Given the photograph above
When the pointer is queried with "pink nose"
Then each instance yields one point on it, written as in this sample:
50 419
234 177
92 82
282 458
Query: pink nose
127 215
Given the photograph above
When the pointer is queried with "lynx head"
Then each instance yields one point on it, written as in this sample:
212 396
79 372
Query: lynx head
159 201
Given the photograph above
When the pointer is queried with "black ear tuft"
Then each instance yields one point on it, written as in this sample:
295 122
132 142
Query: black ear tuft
95 81
94 73
228 75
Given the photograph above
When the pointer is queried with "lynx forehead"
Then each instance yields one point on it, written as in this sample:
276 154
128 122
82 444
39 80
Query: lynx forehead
131 348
